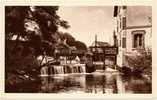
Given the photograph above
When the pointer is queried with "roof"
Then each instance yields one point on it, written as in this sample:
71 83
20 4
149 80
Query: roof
101 44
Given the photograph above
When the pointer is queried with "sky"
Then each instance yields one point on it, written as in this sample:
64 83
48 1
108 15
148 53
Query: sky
87 21
138 15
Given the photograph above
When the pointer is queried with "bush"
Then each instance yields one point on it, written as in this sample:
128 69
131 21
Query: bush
140 62
126 70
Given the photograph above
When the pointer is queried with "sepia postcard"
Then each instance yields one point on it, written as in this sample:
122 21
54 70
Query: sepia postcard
78 49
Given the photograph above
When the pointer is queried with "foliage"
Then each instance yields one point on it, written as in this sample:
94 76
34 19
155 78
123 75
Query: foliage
14 19
71 41
23 45
80 45
68 37
141 62
46 18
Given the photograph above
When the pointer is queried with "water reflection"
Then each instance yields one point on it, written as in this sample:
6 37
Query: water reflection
135 84
93 83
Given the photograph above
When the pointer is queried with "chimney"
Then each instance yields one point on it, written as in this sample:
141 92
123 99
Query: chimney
95 40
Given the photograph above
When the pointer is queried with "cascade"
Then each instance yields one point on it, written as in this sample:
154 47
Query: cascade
58 69
63 69
44 70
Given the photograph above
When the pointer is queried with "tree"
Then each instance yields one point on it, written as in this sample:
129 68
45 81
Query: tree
68 37
22 51
47 20
80 45
14 20
71 41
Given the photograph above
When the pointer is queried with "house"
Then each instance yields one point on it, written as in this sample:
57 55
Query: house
133 31
103 54
97 49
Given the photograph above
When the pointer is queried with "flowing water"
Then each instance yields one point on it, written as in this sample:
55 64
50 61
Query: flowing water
74 79
93 83
60 69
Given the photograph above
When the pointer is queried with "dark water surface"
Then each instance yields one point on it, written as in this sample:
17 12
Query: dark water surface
97 83
94 83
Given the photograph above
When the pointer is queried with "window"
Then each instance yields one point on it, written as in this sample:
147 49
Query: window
117 25
124 23
119 42
123 42
115 11
124 7
138 39
120 23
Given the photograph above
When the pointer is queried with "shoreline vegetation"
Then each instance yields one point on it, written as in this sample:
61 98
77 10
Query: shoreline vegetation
26 80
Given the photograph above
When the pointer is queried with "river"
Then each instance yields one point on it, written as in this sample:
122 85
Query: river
94 83
97 83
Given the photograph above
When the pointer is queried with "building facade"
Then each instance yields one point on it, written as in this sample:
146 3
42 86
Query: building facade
133 29
103 54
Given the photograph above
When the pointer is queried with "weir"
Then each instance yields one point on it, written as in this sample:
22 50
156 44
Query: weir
58 69
63 69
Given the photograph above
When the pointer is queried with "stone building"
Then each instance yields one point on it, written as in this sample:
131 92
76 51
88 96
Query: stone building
133 29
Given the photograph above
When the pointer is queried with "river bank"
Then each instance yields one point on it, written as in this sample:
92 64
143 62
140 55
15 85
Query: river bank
20 82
